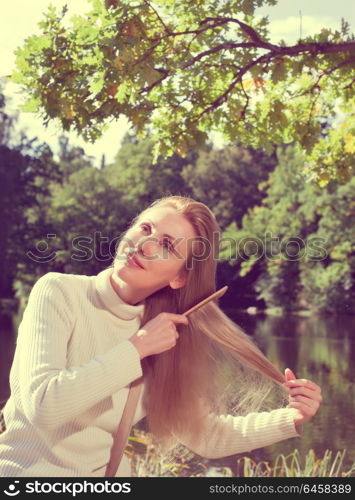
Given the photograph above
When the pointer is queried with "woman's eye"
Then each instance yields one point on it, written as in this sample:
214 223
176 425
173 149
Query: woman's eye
166 243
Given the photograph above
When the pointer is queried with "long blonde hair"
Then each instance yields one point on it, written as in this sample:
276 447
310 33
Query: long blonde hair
214 366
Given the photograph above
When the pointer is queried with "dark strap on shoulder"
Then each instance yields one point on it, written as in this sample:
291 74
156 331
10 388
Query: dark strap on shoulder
124 428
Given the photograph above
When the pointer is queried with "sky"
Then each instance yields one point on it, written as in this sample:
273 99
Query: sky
19 19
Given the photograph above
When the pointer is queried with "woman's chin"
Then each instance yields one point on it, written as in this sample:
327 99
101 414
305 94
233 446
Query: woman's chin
122 270
118 267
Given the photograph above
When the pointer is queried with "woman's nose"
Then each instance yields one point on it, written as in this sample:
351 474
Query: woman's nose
148 246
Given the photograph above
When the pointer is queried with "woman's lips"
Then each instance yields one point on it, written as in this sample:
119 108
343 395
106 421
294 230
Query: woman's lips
131 261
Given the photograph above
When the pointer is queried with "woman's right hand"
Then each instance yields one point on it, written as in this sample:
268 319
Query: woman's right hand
158 335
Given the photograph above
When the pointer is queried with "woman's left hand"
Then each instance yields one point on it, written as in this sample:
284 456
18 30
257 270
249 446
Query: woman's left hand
304 395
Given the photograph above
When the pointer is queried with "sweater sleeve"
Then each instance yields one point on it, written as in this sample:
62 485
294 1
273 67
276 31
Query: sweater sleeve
225 435
50 392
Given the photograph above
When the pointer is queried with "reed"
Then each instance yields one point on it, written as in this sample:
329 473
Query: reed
147 461
292 465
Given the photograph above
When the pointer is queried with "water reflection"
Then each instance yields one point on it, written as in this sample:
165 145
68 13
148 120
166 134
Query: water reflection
7 350
321 349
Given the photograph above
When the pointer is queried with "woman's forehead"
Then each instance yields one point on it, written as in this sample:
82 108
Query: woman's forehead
168 221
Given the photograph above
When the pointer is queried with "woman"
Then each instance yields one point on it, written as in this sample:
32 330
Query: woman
84 339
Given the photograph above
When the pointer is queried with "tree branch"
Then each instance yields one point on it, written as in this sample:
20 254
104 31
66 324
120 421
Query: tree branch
313 48
223 46
187 32
146 54
150 87
328 72
266 57
349 85
238 77
244 110
158 16
248 30
318 48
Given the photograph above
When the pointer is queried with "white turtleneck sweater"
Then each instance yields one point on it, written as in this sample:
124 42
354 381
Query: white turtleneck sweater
70 378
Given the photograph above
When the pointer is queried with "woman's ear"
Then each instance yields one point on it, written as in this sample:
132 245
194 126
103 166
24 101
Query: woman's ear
179 281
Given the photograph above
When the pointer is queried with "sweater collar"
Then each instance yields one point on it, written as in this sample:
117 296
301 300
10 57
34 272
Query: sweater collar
113 302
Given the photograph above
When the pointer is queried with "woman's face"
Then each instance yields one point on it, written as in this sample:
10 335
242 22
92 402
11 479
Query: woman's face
160 241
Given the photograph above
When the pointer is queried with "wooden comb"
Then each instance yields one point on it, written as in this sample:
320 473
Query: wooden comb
213 296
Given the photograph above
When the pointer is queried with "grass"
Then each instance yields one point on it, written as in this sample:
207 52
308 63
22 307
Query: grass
291 466
148 462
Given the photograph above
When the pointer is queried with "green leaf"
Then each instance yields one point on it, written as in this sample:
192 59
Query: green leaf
279 72
149 74
97 84
31 105
248 7
121 93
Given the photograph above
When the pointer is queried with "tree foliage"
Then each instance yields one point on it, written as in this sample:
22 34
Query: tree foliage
147 180
301 238
26 171
227 180
179 73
